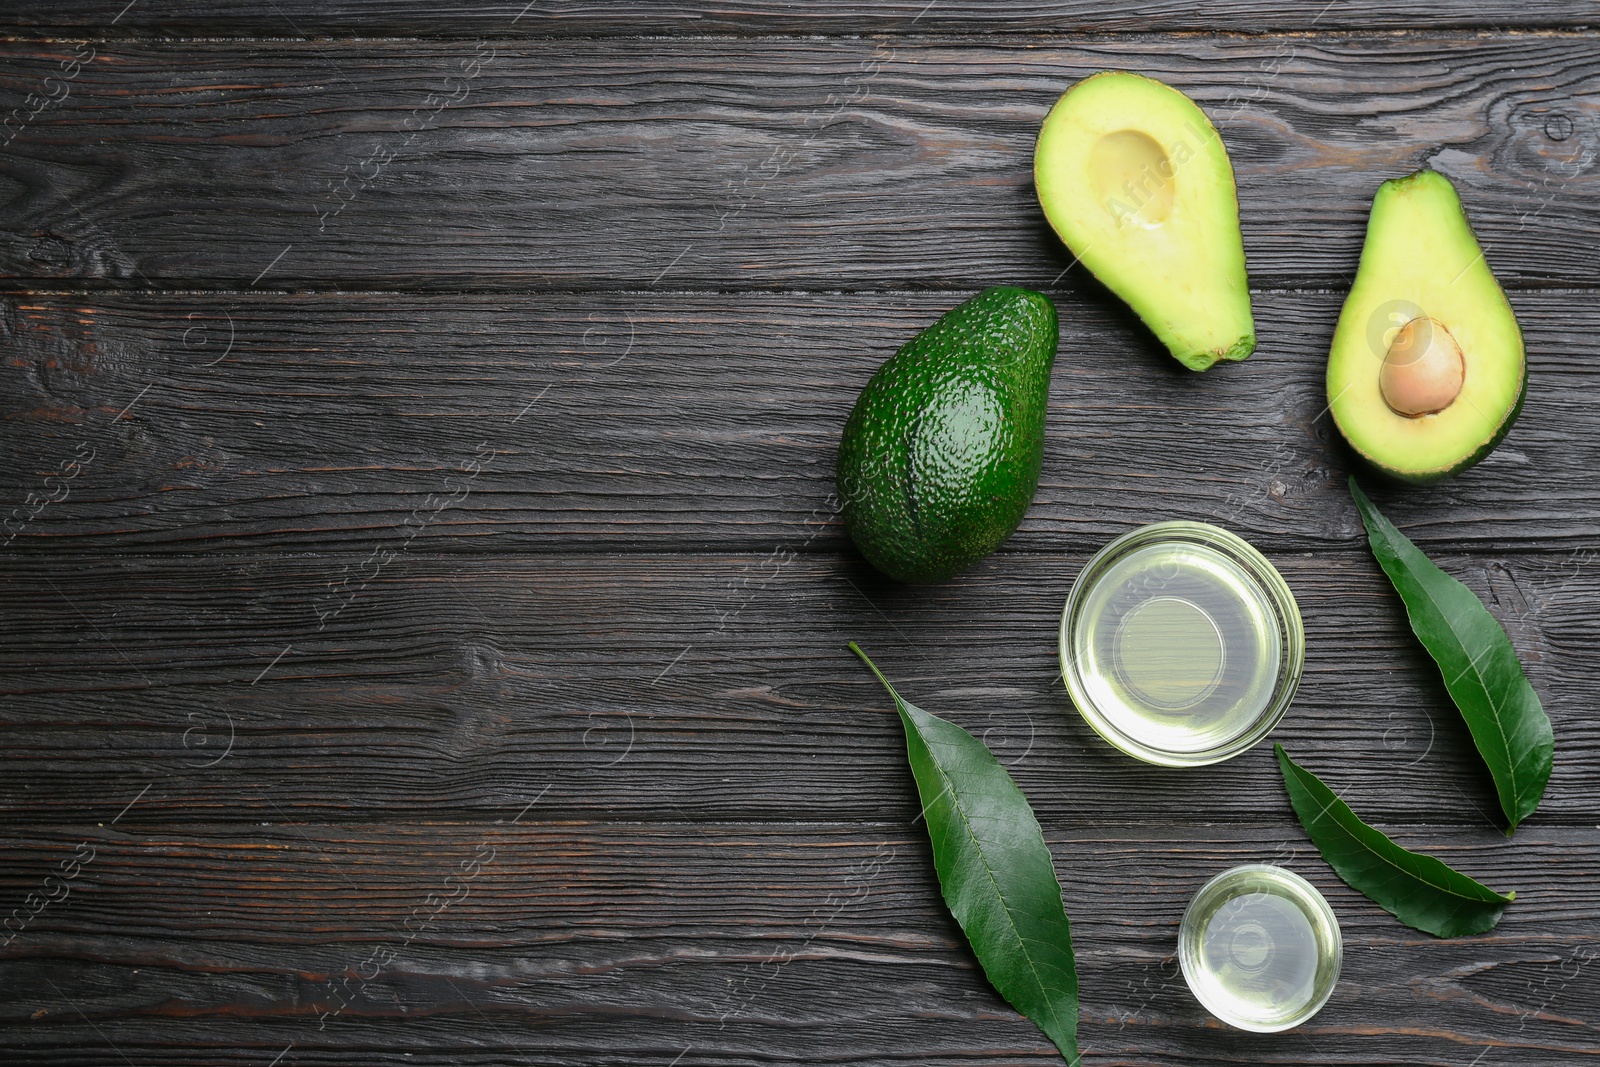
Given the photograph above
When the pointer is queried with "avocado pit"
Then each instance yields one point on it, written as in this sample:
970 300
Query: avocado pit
1423 370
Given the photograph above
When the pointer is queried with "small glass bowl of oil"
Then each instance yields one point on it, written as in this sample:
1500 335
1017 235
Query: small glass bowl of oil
1180 644
1260 948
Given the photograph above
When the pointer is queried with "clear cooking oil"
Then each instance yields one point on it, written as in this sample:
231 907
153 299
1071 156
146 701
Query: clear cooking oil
1260 948
1181 643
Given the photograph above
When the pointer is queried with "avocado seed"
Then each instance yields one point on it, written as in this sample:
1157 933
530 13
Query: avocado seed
1423 370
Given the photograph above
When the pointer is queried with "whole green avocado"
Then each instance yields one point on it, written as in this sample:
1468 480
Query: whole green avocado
941 453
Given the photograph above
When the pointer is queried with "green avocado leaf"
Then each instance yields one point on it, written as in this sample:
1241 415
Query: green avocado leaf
1480 668
996 873
1420 891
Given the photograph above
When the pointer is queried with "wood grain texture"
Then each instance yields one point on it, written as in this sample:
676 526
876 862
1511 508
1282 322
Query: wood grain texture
752 944
746 164
417 446
495 18
701 686
700 421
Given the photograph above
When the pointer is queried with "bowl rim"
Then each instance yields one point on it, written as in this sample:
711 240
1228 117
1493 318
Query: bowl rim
1303 889
1269 582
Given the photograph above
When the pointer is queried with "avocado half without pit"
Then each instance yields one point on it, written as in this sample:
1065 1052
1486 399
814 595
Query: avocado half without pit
1427 371
1134 178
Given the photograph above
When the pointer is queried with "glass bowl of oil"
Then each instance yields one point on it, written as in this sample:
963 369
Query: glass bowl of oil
1260 948
1181 644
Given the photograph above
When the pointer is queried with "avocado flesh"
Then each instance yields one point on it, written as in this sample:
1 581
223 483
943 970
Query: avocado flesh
941 454
1134 178
1421 259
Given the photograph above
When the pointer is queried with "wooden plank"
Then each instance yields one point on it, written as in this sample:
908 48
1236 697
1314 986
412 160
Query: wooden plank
194 943
667 422
719 687
493 18
748 164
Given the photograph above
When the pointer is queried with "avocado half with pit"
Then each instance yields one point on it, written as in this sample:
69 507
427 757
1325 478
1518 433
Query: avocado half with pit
1136 181
1427 371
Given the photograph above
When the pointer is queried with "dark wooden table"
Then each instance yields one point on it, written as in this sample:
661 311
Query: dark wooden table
425 617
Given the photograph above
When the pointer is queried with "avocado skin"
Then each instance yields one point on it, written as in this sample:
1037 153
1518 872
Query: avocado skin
941 454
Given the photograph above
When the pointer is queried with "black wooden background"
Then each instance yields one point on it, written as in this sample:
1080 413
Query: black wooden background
424 612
